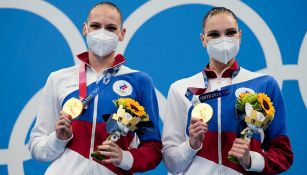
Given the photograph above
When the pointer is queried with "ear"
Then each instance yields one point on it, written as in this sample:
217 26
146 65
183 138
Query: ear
84 31
122 34
203 40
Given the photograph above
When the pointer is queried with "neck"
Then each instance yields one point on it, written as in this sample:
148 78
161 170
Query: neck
219 67
98 63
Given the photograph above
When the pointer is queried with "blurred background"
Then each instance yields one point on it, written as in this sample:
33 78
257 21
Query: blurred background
163 39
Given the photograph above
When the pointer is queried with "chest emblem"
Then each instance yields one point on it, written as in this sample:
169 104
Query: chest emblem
122 88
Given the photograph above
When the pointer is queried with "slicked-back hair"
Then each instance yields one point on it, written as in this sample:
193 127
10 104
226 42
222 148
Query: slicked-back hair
110 4
218 10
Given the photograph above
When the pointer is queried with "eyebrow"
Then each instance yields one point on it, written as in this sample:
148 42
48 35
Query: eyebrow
212 31
231 29
227 30
111 24
97 23
93 22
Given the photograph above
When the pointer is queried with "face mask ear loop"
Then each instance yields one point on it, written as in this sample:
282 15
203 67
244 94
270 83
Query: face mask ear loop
205 39
239 31
225 54
119 34
86 29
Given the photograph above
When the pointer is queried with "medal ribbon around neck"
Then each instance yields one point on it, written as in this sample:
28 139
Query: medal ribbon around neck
74 107
197 97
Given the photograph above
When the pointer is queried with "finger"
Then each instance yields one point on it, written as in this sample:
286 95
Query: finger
64 116
238 150
194 130
68 119
64 122
241 141
111 160
62 127
199 123
64 130
198 134
237 155
194 120
109 142
242 147
112 144
107 148
62 113
108 154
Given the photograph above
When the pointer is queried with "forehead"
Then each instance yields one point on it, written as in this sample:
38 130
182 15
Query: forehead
104 14
220 22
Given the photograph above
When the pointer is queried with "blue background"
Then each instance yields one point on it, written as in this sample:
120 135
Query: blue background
167 46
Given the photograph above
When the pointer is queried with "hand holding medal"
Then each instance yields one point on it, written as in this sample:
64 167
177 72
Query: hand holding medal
201 114
71 109
63 127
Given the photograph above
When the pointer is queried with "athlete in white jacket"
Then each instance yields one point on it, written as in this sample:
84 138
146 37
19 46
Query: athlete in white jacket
69 143
192 147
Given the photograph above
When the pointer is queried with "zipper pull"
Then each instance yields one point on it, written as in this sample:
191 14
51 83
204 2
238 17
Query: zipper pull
219 80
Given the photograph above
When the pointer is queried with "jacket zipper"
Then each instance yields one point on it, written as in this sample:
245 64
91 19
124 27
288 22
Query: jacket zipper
219 129
90 169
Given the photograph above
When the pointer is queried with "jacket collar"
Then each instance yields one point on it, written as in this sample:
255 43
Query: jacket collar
229 72
119 59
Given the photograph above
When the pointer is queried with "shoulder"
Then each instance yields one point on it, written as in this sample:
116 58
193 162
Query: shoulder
134 74
247 75
181 85
125 70
64 72
193 81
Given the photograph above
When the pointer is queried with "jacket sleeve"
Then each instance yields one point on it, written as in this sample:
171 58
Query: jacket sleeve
177 152
148 154
43 144
277 155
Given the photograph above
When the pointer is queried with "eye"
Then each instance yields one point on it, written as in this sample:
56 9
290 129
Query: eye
111 28
231 32
214 34
95 26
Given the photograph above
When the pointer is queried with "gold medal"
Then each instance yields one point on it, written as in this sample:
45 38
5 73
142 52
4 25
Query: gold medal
73 107
202 111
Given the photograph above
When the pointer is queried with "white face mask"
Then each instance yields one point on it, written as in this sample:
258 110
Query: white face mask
223 49
101 42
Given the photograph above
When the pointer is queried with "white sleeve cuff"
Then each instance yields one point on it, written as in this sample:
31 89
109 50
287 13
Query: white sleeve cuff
257 162
127 161
57 144
187 151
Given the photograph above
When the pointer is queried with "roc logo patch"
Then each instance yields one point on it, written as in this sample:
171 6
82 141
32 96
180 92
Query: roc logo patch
122 88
